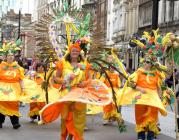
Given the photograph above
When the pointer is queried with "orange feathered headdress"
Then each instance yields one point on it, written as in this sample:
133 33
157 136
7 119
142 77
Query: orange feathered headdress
76 45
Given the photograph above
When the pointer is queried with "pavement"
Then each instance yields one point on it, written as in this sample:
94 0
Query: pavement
31 131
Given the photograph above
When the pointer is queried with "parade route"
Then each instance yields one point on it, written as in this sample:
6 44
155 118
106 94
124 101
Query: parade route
97 131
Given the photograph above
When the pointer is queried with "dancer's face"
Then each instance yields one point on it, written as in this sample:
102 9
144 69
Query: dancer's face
148 64
74 53
10 58
40 69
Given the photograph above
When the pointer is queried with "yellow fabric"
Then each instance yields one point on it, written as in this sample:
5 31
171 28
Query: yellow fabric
93 109
79 118
77 123
34 93
66 72
21 73
150 98
9 108
68 33
10 91
110 112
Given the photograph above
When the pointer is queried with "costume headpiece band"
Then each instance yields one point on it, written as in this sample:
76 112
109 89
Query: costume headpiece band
76 45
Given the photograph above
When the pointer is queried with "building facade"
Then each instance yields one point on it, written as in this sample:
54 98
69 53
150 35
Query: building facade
6 5
10 30
28 38
124 24
101 13
168 15
41 8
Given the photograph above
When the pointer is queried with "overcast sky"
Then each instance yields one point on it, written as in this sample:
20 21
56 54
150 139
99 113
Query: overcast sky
27 6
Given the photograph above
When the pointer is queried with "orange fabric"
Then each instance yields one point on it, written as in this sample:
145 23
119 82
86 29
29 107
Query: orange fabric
73 120
142 80
87 71
109 108
59 65
10 73
114 77
52 112
76 46
9 108
56 85
145 115
36 107
39 80
71 128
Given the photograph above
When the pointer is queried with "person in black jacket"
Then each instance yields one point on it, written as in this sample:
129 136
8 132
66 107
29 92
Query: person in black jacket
169 81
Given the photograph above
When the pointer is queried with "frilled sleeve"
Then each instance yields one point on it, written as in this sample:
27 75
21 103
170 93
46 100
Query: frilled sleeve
162 77
21 70
134 76
59 65
87 71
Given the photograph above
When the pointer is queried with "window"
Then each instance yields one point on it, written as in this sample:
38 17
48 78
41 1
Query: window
176 10
145 14
169 11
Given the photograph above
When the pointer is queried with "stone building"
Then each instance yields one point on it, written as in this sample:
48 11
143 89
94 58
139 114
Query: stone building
41 8
6 5
11 31
124 24
168 15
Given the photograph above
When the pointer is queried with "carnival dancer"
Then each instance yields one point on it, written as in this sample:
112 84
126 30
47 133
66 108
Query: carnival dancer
72 74
72 111
146 89
11 86
110 111
35 107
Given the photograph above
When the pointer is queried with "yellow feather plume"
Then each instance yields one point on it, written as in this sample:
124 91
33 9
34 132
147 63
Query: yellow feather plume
140 44
166 39
147 35
156 35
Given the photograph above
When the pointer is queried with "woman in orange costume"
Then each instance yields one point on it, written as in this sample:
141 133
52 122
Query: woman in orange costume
35 107
11 87
146 98
73 117
77 90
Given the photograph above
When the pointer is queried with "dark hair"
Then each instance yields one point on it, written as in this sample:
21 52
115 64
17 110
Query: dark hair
68 58
39 65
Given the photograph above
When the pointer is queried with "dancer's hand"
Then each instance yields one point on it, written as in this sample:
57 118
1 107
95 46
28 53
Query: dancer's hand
142 90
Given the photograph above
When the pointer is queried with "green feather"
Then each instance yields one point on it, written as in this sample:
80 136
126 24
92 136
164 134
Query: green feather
176 56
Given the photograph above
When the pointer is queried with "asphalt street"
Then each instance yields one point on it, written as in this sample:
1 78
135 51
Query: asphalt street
31 131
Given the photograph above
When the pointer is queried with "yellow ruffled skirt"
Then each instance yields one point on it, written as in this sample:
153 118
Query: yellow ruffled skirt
147 107
10 91
150 98
34 93
93 109
9 97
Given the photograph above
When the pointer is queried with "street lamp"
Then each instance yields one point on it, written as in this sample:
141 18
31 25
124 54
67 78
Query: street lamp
19 27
